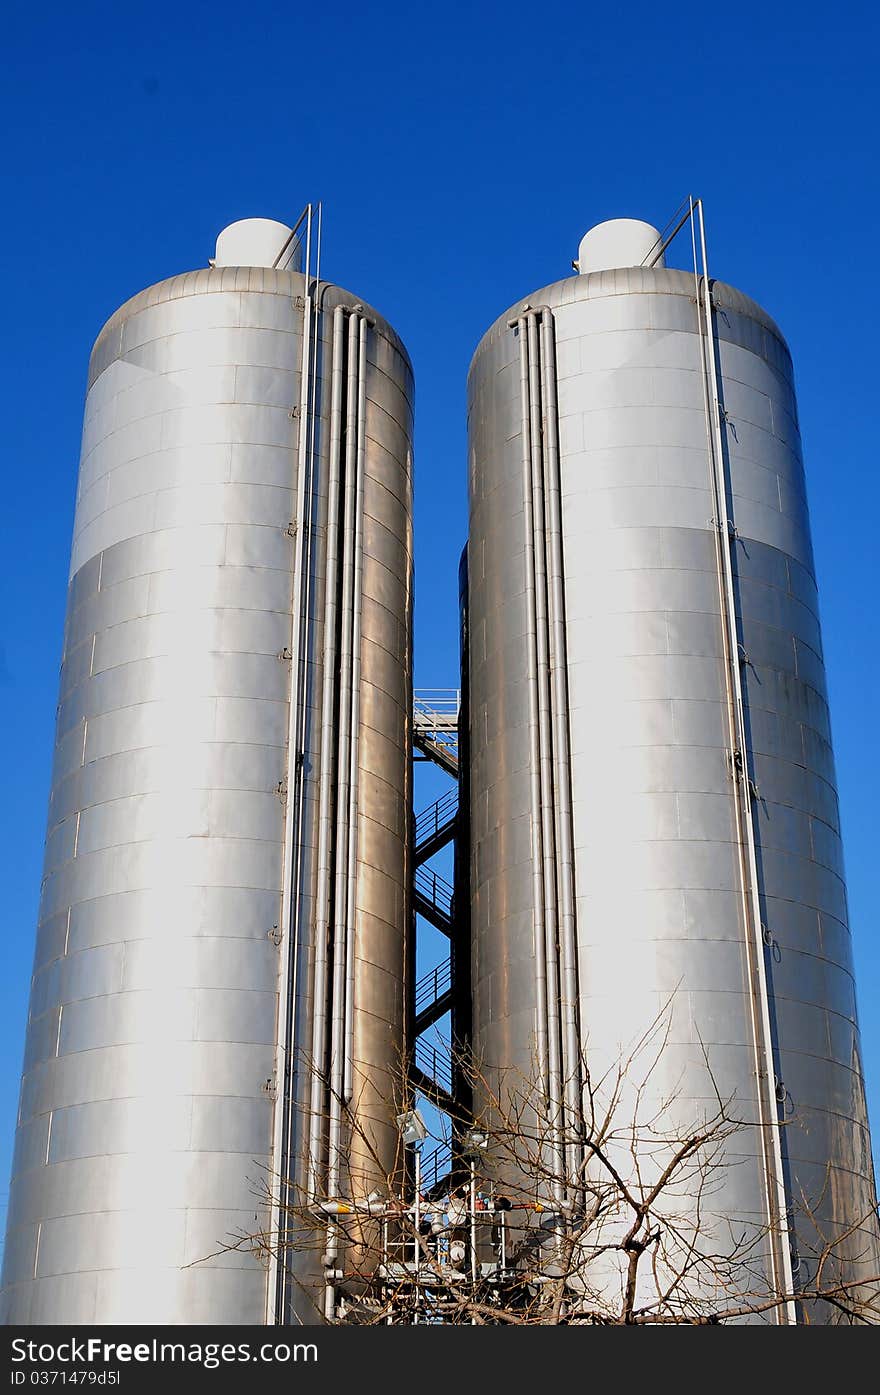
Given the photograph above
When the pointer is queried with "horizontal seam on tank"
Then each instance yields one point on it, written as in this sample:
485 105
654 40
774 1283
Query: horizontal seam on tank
90 597
207 653
405 470
666 488
771 897
397 794
703 532
368 639
788 948
147 702
172 568
380 605
162 450
374 482
210 403
132 423
370 817
786 997
811 861
738 455
38 1168
784 379
124 352
501 328
165 449
836 923
188 612
122 992
182 528
146 1041
810 770
130 1210
145 793
395 697
405 558
191 1095
370 918
372 402
395 882
753 704
184 483
835 1114
814 818
128 312
164 571
185 527
787 1050
148 937
744 613
155 702
159 836
87 1050
393 534
124 751
786 630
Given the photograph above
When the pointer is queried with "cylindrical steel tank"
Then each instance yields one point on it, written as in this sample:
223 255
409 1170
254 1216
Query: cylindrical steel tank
230 796
654 821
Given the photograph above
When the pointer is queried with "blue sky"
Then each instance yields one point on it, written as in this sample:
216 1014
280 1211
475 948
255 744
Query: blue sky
460 151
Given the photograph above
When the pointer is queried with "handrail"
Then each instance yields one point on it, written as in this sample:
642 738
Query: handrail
433 985
435 889
437 709
437 816
435 1063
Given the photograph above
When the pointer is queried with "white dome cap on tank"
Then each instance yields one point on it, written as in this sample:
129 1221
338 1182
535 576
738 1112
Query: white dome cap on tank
617 243
255 242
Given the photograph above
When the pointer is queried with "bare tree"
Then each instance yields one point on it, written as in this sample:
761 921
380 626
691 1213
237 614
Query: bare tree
617 1217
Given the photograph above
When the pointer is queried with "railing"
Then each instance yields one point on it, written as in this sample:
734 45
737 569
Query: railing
436 817
433 985
435 889
435 1165
436 1063
436 709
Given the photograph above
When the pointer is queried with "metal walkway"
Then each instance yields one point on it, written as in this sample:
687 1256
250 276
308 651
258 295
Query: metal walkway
435 726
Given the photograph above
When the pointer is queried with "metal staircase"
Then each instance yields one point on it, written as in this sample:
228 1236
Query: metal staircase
433 997
433 899
435 826
432 1073
435 726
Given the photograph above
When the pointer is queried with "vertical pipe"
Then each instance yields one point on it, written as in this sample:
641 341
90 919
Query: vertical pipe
554 1062
473 1226
318 1062
534 739
288 921
354 773
769 1130
569 1006
340 910
417 1209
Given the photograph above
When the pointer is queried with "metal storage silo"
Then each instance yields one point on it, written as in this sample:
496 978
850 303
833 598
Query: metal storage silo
654 822
225 900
